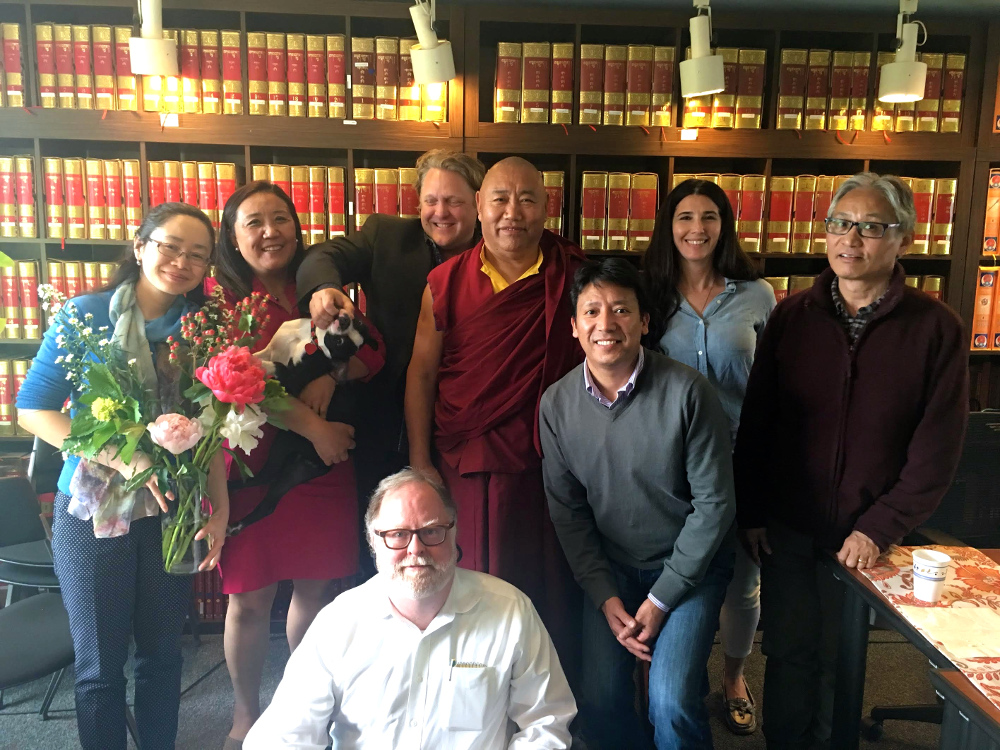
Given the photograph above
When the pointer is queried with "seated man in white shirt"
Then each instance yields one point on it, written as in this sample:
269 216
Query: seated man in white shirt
424 655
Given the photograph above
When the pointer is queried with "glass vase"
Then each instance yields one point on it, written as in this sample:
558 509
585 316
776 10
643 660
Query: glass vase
182 553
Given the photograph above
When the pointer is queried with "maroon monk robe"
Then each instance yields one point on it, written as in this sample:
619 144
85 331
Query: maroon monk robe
500 352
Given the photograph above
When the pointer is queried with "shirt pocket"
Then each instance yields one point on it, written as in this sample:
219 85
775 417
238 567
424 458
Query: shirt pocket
469 693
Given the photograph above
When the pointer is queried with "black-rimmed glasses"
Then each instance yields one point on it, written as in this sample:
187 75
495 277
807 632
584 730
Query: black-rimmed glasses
872 230
429 536
171 251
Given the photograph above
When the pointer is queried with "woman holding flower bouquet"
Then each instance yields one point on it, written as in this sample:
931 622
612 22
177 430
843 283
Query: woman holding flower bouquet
311 537
109 352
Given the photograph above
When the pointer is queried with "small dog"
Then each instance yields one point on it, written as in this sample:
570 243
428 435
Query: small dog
297 355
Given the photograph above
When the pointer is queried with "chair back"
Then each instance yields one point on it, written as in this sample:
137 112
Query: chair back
19 510
44 466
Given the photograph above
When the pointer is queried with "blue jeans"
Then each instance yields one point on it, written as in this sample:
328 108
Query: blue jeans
678 678
115 590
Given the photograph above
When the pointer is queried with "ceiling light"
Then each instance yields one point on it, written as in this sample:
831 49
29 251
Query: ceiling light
903 79
433 61
151 54
704 73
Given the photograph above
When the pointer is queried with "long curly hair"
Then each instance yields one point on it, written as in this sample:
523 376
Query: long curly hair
661 262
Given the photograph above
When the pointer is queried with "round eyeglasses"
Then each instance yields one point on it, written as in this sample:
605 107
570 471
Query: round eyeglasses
872 230
429 536
171 251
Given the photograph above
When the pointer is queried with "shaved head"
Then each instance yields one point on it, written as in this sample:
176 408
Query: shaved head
511 205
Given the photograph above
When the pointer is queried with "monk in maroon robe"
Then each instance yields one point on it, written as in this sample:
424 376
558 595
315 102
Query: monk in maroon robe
493 334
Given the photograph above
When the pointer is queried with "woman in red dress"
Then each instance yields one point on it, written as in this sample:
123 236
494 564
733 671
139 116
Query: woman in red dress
312 536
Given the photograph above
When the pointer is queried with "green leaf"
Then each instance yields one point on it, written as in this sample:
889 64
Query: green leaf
84 423
139 479
101 381
6 261
132 437
240 463
197 391
102 435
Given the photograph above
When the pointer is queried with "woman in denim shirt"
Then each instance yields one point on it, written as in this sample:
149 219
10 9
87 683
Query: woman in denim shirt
709 309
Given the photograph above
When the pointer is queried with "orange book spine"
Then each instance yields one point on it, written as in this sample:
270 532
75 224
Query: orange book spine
300 195
55 206
387 192
76 202
11 302
97 210
779 217
991 232
31 316
364 195
982 312
24 175
132 188
750 225
8 198
337 225
82 67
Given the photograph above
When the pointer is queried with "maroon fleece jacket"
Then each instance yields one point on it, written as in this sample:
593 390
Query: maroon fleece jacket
832 440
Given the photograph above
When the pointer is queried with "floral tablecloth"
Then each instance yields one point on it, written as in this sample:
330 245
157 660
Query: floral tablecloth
965 624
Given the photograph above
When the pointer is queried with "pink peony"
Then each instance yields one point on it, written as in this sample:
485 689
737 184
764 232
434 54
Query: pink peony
175 432
234 376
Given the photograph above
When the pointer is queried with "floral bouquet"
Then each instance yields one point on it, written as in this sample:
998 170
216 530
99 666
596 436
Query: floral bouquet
223 394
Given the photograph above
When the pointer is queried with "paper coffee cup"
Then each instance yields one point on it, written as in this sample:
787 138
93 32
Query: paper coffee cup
930 570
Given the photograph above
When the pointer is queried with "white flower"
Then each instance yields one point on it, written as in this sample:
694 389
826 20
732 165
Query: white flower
88 316
103 328
69 376
68 358
59 359
132 361
104 342
243 430
74 321
87 331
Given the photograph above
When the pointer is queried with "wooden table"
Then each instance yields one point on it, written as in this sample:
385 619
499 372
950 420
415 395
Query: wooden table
970 722
860 599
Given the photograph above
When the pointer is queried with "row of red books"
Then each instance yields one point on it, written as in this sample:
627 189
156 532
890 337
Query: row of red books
17 197
12 375
618 210
11 66
97 199
785 286
798 206
820 89
992 228
211 602
986 311
19 294
318 195
303 75
206 185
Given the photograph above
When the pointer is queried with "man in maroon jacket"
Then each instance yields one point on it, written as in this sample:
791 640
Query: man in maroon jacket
850 434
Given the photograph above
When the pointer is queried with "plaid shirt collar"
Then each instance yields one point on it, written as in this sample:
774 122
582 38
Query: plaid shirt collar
854 325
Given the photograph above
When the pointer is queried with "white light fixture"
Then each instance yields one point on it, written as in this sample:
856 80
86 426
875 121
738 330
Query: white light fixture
903 79
151 54
704 73
433 61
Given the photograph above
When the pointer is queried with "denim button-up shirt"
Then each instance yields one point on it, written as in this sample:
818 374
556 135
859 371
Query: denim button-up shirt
720 343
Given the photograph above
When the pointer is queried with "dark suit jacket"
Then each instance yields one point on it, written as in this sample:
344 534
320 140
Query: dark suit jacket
390 259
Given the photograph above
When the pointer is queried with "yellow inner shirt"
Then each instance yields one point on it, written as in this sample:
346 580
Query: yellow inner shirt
496 278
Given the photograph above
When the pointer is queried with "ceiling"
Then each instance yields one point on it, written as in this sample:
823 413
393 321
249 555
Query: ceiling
927 8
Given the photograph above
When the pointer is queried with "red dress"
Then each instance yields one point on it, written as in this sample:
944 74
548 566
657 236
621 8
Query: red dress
313 533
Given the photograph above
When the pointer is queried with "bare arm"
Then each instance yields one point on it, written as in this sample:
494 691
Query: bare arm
421 385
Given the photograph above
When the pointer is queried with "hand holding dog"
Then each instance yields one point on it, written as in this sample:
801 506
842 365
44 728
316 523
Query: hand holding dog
317 394
332 441
326 304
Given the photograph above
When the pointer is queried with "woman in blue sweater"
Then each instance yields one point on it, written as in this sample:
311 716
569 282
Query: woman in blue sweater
115 588
709 309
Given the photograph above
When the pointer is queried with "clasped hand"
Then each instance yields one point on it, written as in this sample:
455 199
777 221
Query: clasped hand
637 634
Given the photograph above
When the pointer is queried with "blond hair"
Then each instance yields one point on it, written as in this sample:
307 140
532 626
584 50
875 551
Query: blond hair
468 167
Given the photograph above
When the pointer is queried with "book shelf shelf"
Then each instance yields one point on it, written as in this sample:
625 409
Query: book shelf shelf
474 30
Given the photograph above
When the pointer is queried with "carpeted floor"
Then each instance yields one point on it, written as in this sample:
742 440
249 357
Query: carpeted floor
897 673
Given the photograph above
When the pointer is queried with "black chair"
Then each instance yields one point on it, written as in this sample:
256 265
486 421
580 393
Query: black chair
968 516
35 642
25 551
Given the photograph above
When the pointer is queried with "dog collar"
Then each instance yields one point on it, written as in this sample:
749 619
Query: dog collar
313 344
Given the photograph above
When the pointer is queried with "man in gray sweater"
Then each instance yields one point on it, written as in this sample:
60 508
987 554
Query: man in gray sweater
638 474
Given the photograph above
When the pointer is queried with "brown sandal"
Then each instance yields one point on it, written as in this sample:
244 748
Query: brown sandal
740 713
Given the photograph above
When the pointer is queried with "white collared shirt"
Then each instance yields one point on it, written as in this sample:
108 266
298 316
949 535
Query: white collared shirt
483 676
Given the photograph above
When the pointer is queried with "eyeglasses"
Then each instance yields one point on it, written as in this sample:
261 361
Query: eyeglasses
429 536
171 251
872 230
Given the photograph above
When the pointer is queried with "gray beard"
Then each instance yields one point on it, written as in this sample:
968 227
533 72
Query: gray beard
422 585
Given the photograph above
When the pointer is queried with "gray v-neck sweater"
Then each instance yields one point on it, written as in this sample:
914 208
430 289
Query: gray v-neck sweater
647 483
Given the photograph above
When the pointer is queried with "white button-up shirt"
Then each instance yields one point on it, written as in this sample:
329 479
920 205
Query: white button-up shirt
483 676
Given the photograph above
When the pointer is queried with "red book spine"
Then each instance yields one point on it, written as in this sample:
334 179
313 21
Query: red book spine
104 71
132 183
76 214
751 212
55 208
189 183
364 200
300 196
45 58
113 192
190 71
65 82
57 276
208 191
74 278
257 72
615 84
27 277
13 70
96 204
409 199
923 204
562 83
8 198
277 77
83 69
157 184
386 192
6 400
335 202
91 277
317 203
24 175
336 75
171 181
124 79
211 74
11 302
507 89
792 88
225 179
232 72
779 218
316 77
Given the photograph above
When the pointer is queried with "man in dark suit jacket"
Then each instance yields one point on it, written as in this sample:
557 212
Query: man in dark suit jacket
390 259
